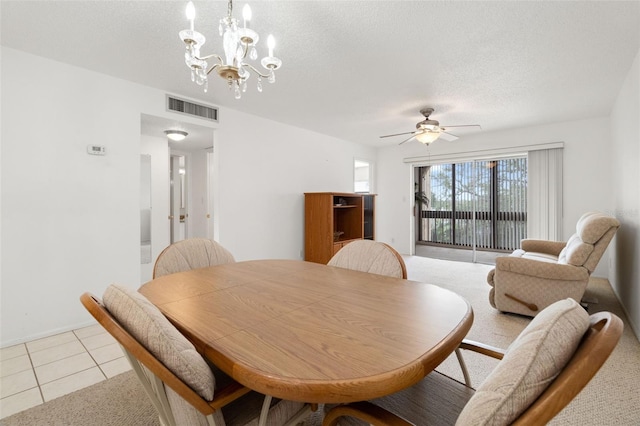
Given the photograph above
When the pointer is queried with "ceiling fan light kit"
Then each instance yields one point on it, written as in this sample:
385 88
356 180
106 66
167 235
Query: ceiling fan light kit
239 46
426 136
427 131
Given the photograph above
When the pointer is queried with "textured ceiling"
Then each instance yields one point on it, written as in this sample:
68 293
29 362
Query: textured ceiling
360 69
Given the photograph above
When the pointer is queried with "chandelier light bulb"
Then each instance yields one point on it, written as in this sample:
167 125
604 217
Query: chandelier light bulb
246 15
271 43
191 13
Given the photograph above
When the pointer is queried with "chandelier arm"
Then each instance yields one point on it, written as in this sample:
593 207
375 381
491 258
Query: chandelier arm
246 49
213 68
204 58
256 70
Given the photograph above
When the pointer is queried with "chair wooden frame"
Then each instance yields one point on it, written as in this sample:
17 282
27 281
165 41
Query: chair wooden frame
400 259
597 344
140 359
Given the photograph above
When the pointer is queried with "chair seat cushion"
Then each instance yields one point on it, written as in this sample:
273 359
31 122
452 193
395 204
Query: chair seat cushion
542 257
529 366
153 330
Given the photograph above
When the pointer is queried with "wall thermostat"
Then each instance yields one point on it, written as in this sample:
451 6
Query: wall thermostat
96 150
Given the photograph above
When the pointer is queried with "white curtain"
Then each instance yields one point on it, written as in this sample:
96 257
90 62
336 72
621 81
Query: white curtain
544 199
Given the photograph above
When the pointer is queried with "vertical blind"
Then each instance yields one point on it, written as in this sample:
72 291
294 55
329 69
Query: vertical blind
545 194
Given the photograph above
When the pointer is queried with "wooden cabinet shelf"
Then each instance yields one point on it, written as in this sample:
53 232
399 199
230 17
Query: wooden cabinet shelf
334 219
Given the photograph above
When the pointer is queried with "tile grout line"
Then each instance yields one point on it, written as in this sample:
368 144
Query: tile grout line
39 385
33 370
90 355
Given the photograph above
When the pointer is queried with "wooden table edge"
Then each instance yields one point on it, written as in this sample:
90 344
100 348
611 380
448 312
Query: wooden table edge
348 390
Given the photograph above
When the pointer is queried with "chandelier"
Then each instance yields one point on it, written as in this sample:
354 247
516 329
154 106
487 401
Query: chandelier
239 46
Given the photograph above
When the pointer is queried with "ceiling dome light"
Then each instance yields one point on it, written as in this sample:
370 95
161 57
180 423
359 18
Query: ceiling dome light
176 135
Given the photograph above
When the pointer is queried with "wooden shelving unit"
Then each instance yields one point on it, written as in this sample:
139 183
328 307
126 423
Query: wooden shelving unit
333 219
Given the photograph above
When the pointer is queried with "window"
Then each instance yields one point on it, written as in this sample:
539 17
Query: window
477 204
361 176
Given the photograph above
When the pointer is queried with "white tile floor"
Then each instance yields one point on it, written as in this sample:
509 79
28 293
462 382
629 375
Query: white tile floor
41 370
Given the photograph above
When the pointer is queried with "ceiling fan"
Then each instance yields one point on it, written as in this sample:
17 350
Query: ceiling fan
428 130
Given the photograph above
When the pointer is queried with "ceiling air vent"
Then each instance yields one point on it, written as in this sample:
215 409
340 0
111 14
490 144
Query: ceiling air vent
189 108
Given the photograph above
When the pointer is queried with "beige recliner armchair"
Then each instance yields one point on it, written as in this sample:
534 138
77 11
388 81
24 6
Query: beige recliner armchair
543 272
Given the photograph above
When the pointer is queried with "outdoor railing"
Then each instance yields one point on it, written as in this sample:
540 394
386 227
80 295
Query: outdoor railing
502 231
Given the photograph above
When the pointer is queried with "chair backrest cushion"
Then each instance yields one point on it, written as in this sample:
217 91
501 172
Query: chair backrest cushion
529 366
192 253
146 324
592 226
594 231
576 252
369 256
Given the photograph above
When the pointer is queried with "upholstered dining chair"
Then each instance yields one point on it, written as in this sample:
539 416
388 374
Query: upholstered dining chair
192 253
183 387
370 256
547 365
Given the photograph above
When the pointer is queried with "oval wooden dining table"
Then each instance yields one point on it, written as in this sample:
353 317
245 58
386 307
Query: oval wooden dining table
310 332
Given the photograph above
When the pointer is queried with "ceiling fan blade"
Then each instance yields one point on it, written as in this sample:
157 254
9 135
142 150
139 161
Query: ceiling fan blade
450 137
397 134
464 125
408 139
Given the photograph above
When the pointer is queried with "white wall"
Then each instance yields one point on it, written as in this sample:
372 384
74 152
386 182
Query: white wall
625 131
587 182
68 218
70 221
262 173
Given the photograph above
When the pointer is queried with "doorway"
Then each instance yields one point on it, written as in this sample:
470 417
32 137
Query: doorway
191 200
180 183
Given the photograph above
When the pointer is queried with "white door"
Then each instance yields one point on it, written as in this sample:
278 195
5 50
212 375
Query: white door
178 199
209 196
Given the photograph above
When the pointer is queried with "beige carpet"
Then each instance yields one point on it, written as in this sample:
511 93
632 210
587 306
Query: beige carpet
613 395
119 401
611 398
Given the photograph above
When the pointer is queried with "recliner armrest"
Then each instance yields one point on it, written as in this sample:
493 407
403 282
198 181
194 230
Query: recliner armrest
535 268
543 246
